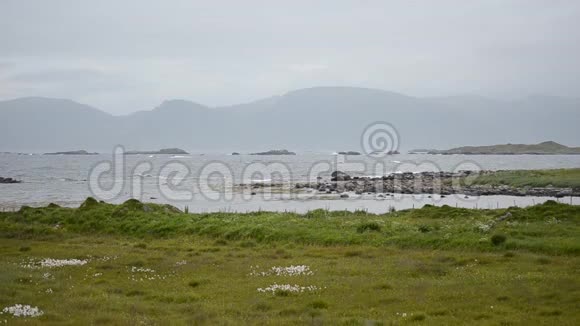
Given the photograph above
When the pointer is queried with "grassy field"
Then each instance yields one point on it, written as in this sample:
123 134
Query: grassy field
564 178
150 264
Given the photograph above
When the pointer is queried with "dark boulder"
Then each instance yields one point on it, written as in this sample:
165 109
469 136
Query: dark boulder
339 176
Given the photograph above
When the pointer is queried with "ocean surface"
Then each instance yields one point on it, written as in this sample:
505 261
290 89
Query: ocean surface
200 182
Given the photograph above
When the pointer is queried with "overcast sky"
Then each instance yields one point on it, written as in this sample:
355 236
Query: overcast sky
123 56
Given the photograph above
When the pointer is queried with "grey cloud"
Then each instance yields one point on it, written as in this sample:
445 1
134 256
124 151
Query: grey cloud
226 52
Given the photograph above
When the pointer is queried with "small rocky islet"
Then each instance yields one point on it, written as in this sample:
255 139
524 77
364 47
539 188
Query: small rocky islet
163 151
9 180
78 152
275 152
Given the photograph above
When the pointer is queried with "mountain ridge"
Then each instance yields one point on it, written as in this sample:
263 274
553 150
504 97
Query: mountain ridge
320 118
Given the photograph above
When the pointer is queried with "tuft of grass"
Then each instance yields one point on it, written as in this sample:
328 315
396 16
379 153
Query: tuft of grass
551 313
509 254
24 249
282 293
263 306
318 304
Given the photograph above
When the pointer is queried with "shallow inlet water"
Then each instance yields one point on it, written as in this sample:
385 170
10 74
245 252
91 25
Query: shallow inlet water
64 180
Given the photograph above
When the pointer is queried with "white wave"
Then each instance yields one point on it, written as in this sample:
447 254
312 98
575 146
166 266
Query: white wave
260 180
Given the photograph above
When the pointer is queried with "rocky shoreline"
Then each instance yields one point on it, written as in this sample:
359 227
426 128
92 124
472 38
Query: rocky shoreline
442 183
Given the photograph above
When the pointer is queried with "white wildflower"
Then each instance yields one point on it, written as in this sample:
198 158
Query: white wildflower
141 270
482 227
289 288
19 310
144 274
283 271
50 263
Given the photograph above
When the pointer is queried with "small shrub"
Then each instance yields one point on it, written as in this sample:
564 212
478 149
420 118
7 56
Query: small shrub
424 228
89 203
369 226
555 312
498 239
353 253
194 283
24 248
418 317
383 286
543 261
135 293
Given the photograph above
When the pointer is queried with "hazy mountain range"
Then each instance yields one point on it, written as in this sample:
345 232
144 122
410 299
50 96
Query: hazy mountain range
317 119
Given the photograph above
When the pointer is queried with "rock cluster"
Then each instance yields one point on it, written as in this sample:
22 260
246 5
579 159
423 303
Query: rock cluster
443 183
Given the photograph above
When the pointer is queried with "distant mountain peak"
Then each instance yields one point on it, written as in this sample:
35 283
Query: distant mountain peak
179 105
334 90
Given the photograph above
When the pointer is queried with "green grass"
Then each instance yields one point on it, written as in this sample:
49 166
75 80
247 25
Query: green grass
429 227
435 266
563 178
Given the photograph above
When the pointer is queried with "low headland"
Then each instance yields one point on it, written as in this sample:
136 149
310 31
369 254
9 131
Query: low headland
148 263
545 148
